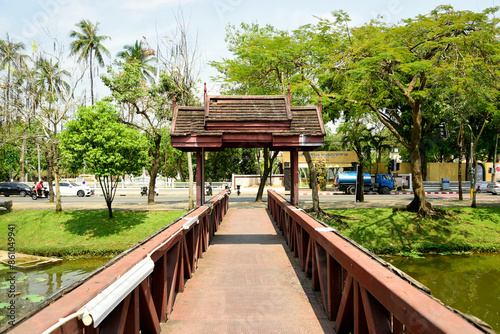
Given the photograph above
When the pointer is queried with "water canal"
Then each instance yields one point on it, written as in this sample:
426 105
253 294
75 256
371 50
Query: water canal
469 283
32 286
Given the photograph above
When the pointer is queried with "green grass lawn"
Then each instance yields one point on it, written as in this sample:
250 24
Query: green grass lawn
80 233
384 231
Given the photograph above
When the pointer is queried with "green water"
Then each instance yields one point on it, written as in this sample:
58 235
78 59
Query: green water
469 283
32 286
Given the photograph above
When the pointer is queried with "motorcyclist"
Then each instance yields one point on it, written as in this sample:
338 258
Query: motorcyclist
39 186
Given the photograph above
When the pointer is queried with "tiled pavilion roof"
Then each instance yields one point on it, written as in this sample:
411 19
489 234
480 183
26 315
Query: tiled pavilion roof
247 121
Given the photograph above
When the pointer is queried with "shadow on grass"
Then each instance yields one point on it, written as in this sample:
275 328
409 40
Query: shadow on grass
403 233
97 224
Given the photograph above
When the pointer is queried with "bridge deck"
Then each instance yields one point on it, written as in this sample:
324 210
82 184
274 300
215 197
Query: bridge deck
247 282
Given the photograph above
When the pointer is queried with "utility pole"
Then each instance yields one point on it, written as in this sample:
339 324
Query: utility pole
493 172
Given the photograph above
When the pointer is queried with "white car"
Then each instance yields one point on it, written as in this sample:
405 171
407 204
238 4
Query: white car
493 187
73 189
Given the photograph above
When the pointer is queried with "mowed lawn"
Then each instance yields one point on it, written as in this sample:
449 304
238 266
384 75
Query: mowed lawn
80 233
385 231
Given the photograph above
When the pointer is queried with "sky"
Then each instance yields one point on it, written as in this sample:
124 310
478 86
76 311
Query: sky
48 22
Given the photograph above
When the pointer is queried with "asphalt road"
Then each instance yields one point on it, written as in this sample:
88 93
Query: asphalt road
130 201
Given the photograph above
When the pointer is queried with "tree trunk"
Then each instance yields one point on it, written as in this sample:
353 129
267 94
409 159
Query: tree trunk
268 163
313 181
191 183
91 80
155 167
22 157
49 155
460 142
474 184
56 177
360 188
419 203
179 168
108 190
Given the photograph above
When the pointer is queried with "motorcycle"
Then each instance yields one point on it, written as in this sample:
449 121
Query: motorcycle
208 191
40 194
144 191
228 188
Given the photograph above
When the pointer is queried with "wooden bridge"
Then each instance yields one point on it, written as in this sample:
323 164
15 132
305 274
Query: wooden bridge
266 271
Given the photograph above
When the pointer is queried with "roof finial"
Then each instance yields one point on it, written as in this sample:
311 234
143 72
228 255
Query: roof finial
205 93
320 105
288 93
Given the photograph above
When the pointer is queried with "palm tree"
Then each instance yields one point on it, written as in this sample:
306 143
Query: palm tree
50 79
140 55
88 46
10 57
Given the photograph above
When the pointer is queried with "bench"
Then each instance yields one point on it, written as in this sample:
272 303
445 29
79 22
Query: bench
6 204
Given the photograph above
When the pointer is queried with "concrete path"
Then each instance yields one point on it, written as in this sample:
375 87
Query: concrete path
248 282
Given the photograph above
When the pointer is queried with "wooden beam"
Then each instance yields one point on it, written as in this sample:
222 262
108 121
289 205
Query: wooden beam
200 177
149 318
294 176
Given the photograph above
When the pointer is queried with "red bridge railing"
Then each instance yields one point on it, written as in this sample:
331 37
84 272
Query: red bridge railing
358 292
137 292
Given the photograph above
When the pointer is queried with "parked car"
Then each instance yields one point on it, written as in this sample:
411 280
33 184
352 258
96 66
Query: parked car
73 189
493 187
12 188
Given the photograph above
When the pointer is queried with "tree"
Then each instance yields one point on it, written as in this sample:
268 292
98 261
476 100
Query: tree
10 58
142 56
88 45
356 136
50 79
182 63
265 61
151 102
268 165
394 71
108 147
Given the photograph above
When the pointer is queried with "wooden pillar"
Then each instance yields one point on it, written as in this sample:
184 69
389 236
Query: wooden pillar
294 176
200 177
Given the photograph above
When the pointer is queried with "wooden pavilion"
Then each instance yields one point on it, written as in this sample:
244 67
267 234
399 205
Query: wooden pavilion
229 121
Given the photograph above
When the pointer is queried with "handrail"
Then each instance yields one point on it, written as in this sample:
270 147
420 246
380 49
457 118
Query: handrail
149 297
358 292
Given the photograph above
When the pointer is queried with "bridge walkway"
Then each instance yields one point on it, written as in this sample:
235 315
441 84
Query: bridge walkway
248 282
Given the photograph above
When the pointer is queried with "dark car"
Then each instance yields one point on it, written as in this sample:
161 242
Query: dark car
11 188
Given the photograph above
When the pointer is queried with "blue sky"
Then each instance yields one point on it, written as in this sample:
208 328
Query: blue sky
126 21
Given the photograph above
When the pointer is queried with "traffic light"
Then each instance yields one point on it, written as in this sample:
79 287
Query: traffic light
397 165
392 165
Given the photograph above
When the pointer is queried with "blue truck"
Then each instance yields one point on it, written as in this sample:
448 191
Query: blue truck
381 183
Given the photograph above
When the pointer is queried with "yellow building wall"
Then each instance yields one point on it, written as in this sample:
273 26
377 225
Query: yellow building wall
381 168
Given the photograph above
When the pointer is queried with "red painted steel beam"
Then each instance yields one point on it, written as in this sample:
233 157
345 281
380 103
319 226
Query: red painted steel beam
415 309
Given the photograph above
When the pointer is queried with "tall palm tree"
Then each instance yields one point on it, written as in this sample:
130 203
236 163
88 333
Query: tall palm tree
50 79
88 46
10 57
142 56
